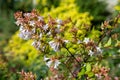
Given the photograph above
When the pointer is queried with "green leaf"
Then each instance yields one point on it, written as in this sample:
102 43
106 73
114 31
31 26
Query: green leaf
88 68
90 74
71 50
82 72
108 43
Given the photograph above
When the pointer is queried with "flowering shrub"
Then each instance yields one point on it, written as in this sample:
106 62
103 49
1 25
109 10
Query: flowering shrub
71 55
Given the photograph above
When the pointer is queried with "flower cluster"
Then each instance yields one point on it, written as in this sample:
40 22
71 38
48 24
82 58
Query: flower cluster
101 73
48 34
33 26
27 76
52 62
92 47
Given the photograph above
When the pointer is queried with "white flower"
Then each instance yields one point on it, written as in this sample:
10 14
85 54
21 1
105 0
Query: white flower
49 63
45 58
99 50
59 21
56 64
33 43
79 41
45 27
40 36
36 44
21 28
27 14
26 34
58 26
21 35
54 45
18 23
40 18
33 30
91 53
49 33
31 23
66 41
86 40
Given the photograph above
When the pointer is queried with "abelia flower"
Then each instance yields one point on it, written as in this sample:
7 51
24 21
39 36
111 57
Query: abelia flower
40 18
66 41
49 33
99 50
90 53
26 34
52 62
45 27
49 63
86 40
32 23
33 30
27 15
21 35
18 15
21 28
79 41
40 36
59 21
19 22
36 44
56 63
55 45
46 59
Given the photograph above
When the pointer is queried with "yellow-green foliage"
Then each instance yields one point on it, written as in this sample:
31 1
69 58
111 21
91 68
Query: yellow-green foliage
68 8
21 49
117 7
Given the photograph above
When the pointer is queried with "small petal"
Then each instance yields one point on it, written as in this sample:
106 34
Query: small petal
91 53
36 44
33 30
79 41
66 41
56 64
49 33
21 28
40 18
86 40
99 50
40 36
59 21
45 58
54 45
49 63
58 26
45 27
31 23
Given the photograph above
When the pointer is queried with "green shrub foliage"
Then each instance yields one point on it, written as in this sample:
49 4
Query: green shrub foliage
97 8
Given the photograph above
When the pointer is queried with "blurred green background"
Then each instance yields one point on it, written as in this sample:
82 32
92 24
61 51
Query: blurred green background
15 54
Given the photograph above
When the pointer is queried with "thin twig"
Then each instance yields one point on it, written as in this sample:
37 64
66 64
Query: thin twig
71 54
69 69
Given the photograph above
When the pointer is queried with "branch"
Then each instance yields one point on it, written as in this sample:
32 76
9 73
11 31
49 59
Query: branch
71 54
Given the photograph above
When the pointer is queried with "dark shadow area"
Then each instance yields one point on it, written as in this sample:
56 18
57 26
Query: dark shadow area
96 8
